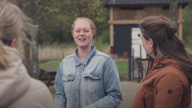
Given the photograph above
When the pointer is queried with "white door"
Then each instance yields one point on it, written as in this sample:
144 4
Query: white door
136 43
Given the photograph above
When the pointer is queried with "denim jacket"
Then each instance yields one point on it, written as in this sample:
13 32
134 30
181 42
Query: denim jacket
94 83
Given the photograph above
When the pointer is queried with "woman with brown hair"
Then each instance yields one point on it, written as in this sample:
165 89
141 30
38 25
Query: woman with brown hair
17 89
167 83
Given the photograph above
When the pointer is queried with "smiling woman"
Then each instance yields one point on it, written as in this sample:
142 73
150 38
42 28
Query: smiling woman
83 30
88 78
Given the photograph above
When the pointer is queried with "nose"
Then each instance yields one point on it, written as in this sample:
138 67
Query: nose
81 33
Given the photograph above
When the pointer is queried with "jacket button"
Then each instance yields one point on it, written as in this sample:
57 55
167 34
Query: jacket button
169 91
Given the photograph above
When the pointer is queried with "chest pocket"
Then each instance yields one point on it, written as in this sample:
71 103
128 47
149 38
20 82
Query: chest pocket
68 82
92 81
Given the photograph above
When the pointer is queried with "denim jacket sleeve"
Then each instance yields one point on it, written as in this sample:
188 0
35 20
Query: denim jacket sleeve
112 87
60 99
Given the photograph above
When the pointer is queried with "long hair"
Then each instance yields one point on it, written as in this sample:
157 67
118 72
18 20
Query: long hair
13 24
159 29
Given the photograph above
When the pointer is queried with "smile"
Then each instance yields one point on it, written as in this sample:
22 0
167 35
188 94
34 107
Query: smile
82 39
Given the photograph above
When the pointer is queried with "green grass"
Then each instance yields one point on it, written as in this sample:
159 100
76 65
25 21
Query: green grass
54 63
121 65
190 106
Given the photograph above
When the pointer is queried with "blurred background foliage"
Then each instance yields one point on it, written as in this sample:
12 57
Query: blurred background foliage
55 17
187 25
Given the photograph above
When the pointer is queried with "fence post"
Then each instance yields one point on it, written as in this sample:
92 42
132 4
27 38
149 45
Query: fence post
129 64
133 63
139 69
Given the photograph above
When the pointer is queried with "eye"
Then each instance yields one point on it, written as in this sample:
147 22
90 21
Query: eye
77 31
86 30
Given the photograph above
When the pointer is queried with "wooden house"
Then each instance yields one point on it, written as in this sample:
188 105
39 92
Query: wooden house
125 16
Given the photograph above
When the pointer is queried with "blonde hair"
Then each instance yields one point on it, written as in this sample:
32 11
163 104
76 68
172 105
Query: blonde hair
12 25
92 25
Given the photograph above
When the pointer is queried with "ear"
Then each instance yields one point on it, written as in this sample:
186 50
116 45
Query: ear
13 43
93 32
151 42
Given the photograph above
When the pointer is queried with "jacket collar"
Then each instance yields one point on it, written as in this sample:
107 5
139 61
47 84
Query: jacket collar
163 61
87 58
14 54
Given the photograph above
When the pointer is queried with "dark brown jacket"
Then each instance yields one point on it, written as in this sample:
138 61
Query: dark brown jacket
164 86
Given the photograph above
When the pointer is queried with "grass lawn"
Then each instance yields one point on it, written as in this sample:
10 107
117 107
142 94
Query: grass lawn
54 63
121 65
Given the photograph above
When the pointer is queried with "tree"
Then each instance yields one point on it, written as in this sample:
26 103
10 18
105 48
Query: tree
55 17
174 12
187 25
31 63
